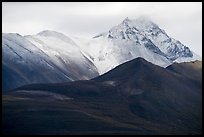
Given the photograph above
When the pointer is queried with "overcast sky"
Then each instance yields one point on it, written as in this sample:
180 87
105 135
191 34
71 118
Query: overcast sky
182 21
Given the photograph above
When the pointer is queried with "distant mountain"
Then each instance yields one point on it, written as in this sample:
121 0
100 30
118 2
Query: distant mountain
52 57
136 97
48 57
137 38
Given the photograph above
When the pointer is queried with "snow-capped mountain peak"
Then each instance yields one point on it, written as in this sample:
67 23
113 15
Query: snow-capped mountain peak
143 30
130 29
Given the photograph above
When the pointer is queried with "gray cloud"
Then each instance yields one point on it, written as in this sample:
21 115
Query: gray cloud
182 21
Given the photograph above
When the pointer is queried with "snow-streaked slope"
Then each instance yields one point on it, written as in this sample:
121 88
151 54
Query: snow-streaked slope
109 53
100 53
23 63
44 58
64 52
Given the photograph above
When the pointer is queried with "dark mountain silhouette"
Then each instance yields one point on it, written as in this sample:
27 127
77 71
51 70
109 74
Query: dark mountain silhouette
136 97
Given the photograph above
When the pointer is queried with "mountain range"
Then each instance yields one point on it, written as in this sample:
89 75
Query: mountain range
133 79
52 57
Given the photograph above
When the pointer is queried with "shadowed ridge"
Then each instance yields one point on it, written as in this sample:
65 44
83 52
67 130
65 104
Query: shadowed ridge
129 69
